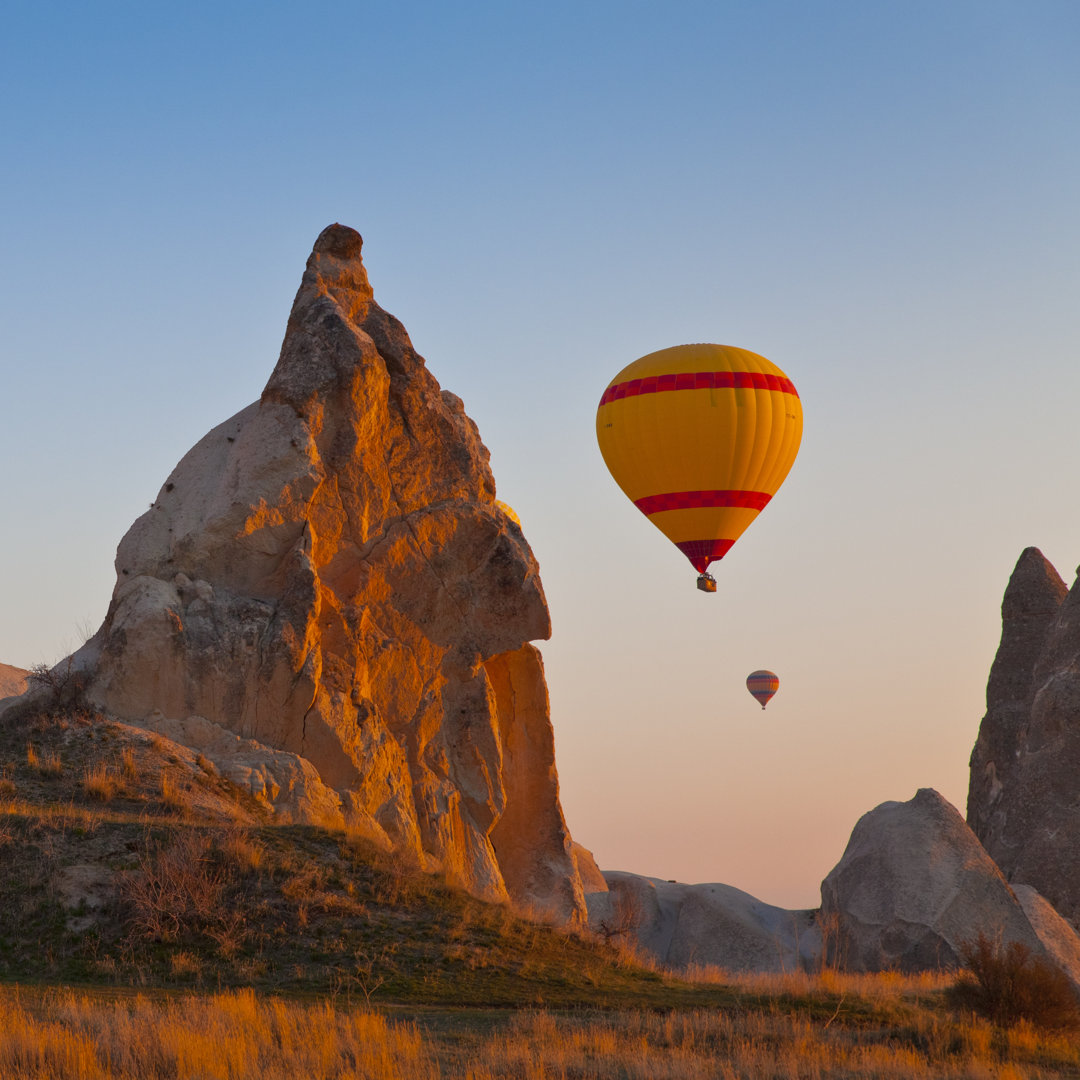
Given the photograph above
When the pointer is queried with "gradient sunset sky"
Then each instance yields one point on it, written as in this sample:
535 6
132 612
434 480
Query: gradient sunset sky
880 197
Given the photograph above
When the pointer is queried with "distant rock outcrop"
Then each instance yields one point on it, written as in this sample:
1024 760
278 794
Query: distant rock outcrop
682 926
915 884
12 680
327 574
1024 795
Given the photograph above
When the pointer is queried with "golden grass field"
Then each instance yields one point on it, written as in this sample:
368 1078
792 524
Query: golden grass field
155 923
900 1031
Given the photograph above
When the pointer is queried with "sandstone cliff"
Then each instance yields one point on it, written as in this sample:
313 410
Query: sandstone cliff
326 578
1023 795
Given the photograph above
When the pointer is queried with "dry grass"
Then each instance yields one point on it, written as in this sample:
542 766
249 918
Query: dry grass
241 1036
231 1036
45 764
173 796
100 782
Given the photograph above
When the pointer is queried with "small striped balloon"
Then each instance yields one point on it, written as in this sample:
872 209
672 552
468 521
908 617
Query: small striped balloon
762 684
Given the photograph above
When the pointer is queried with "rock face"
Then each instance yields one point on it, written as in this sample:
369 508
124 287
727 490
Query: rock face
681 926
913 885
12 680
328 574
1024 795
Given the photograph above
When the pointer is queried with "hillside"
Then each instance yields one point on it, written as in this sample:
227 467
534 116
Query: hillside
126 860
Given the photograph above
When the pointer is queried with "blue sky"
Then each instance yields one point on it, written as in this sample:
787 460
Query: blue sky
879 197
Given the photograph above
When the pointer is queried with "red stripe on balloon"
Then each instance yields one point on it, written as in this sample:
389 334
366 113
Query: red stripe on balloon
699 380
693 500
702 552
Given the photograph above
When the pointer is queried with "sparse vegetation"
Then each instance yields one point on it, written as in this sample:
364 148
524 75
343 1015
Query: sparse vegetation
100 782
241 1035
1009 986
136 869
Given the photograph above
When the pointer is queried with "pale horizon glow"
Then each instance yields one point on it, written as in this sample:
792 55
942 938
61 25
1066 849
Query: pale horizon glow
881 199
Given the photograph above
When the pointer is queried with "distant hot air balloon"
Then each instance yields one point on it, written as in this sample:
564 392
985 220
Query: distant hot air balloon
762 684
700 437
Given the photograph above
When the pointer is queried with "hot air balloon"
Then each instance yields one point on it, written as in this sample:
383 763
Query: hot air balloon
700 437
762 684
509 511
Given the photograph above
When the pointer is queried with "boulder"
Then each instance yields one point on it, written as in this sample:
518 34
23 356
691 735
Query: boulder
327 574
708 925
1024 796
913 886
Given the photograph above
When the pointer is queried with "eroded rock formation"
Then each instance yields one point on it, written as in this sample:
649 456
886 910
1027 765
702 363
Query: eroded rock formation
327 575
1024 795
682 926
913 885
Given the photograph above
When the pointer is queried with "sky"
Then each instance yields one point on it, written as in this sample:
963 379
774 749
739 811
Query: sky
879 197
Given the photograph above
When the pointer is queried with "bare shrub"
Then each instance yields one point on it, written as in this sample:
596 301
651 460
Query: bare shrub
175 889
127 764
1008 984
833 944
626 916
64 686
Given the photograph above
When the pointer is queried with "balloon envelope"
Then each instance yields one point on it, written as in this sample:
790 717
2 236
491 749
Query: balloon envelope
700 437
762 684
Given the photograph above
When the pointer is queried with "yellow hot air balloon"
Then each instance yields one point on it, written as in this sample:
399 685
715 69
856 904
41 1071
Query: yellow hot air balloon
700 437
509 511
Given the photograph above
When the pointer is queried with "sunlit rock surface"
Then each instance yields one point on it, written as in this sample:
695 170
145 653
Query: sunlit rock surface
327 575
1024 796
12 681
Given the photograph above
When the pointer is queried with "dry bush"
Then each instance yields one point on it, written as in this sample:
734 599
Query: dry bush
177 888
626 916
64 687
99 782
1007 985
127 764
